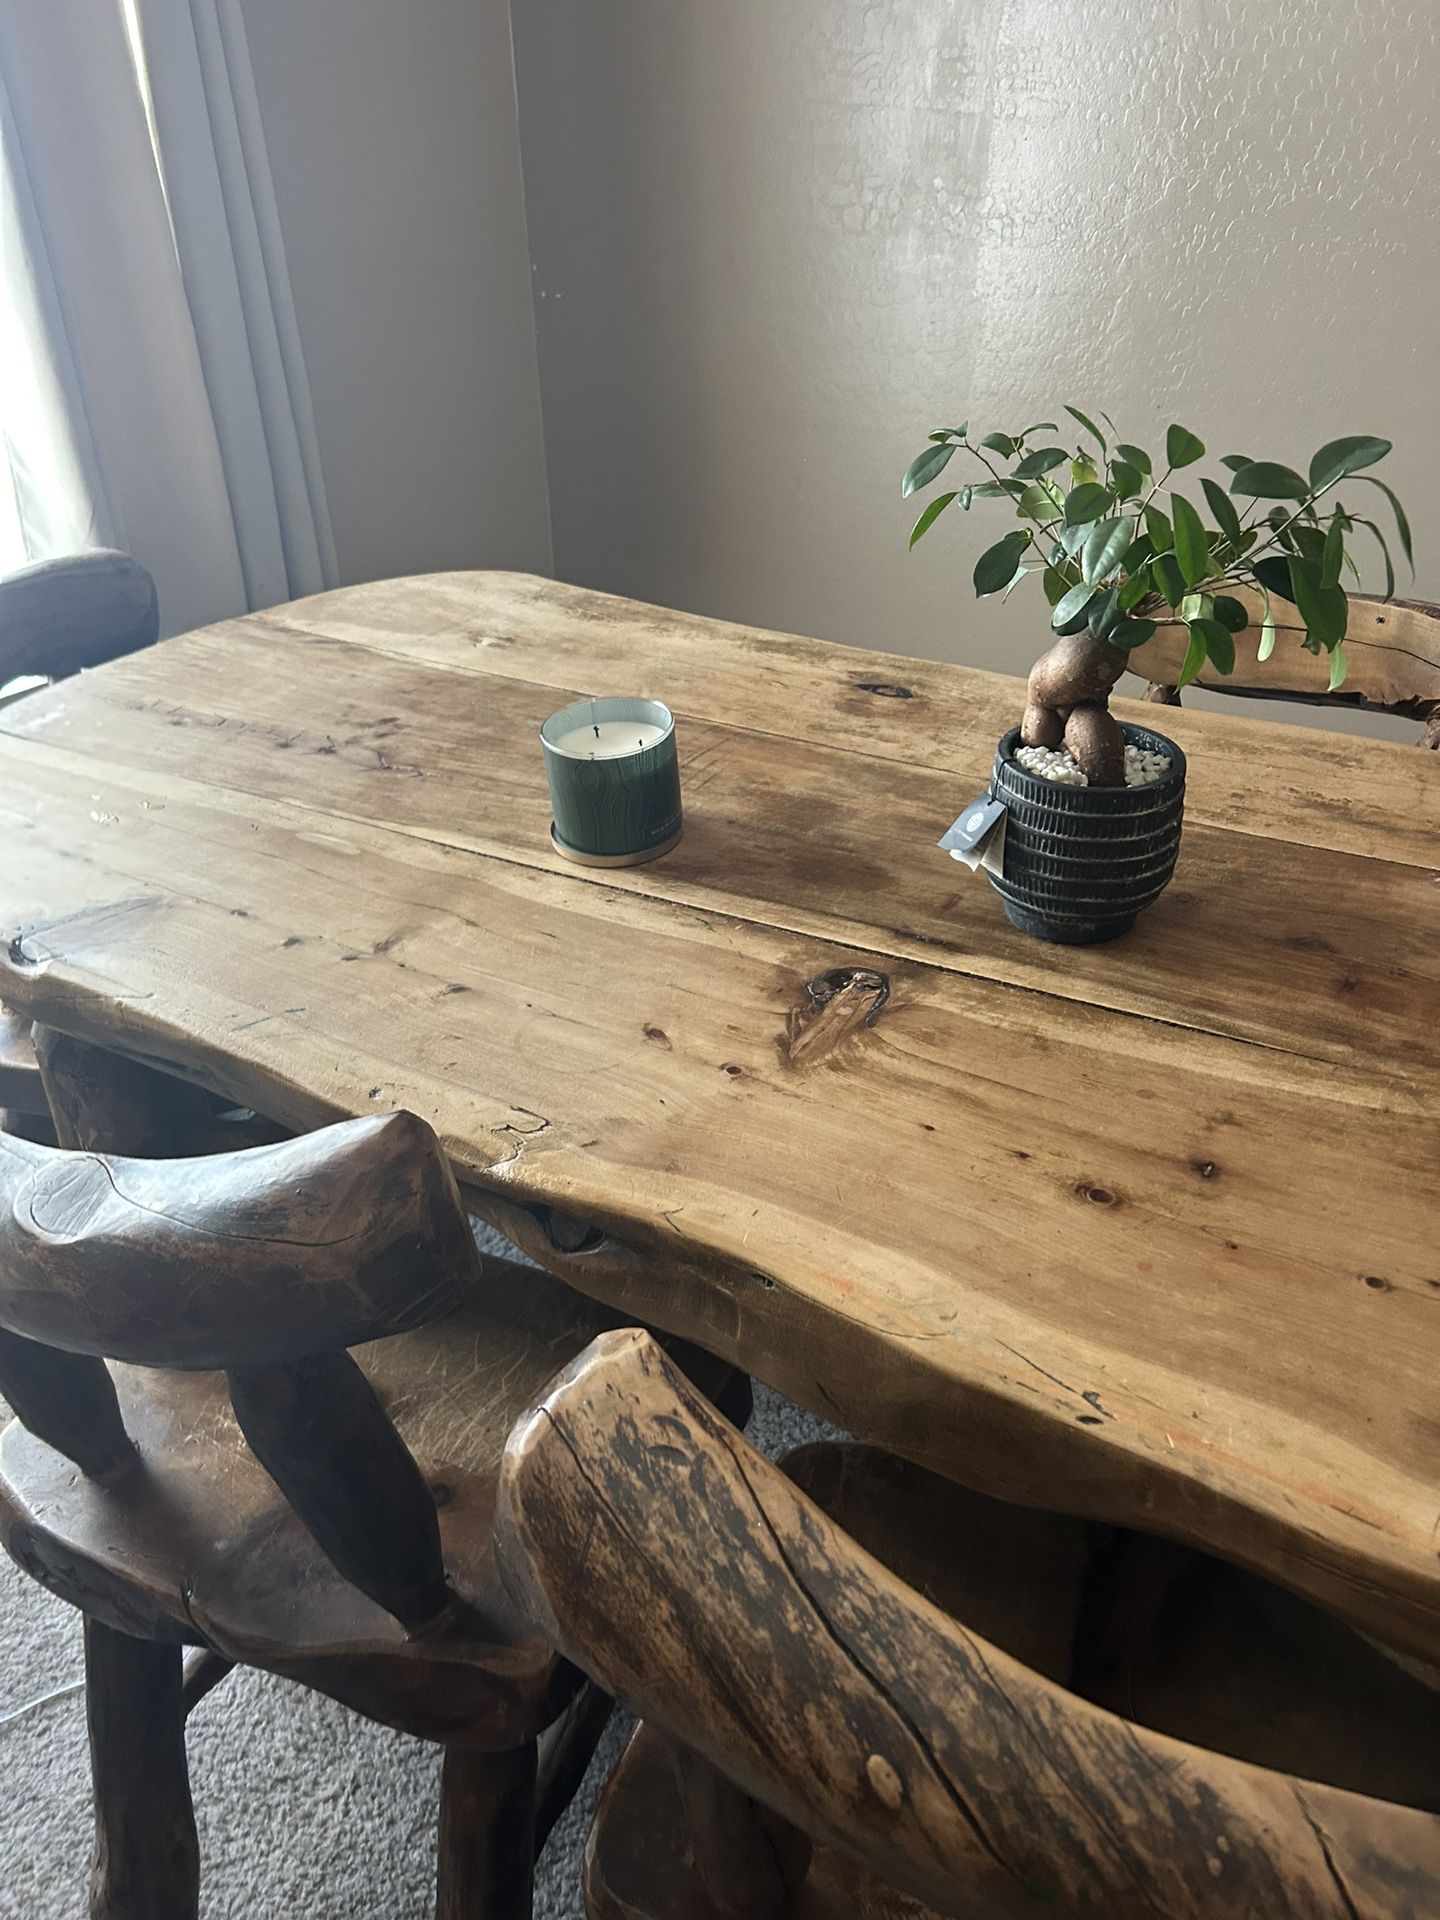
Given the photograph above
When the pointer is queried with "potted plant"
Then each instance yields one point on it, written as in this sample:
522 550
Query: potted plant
1093 807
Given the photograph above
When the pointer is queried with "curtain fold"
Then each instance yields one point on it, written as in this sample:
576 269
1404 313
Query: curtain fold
166 408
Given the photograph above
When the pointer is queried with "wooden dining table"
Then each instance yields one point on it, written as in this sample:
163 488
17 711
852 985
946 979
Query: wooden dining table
1145 1231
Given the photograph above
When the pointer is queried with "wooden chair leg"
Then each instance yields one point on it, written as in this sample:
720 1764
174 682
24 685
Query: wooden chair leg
147 1859
487 1825
565 1752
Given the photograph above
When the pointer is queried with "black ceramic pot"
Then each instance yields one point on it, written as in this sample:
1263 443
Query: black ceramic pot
1081 862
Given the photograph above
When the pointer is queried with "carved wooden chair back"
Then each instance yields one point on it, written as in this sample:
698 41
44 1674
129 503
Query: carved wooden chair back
267 1263
1392 656
77 611
693 1579
313 1542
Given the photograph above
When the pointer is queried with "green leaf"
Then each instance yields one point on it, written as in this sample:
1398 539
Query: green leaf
1043 460
1072 539
1308 540
1333 555
1035 504
1135 457
996 567
931 514
1073 603
1087 502
1171 583
1107 542
989 490
1192 549
1083 470
1231 613
1223 508
967 494
1194 660
1000 443
1235 461
1338 665
1340 457
1267 630
1323 609
1158 528
1134 590
1131 633
1273 573
1219 644
1104 613
1182 448
1402 525
1055 584
925 467
1360 521
1125 479
1267 480
1088 424
1040 426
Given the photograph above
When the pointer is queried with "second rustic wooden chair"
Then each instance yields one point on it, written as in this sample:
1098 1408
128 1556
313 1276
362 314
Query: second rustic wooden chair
829 1735
239 1482
1392 653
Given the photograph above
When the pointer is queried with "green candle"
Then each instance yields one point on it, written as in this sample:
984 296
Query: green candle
614 780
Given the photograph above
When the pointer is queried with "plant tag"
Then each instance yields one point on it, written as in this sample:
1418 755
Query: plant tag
978 836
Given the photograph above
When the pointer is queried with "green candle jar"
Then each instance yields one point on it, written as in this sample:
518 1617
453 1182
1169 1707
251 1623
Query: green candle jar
614 780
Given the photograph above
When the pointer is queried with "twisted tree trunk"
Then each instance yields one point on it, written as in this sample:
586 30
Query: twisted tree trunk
1067 700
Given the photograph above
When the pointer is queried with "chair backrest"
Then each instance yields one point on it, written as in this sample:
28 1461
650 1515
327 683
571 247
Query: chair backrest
691 1578
269 1263
1392 655
60 615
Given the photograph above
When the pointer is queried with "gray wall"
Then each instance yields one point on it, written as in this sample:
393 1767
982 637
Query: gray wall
774 243
392 137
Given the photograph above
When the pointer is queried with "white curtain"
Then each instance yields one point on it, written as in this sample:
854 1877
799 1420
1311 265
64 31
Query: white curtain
157 398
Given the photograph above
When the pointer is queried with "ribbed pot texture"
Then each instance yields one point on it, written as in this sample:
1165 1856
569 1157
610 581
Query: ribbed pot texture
1081 862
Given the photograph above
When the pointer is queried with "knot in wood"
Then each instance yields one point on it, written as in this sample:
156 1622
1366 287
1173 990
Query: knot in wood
838 1003
885 1782
823 988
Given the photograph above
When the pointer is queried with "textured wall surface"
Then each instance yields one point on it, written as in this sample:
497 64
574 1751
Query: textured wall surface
773 244
393 142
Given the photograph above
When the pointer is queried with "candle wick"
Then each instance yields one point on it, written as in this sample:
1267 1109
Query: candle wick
597 729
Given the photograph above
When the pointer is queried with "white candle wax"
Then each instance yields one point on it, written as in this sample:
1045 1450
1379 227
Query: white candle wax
608 739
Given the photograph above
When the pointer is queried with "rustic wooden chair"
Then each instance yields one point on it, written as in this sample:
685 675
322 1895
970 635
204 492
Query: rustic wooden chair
55 618
830 1735
1392 653
247 1487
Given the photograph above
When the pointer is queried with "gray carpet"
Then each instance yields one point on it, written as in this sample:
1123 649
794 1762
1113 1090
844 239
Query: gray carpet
303 1808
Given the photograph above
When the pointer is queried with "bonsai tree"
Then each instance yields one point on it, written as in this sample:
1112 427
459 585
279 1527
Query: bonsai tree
1123 551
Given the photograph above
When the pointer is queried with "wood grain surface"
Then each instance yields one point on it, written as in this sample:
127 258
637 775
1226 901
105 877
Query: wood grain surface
1146 1231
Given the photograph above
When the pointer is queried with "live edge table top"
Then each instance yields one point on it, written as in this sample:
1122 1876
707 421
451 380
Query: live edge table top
1148 1231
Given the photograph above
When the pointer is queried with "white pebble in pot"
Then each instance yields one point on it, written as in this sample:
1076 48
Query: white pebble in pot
1143 765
